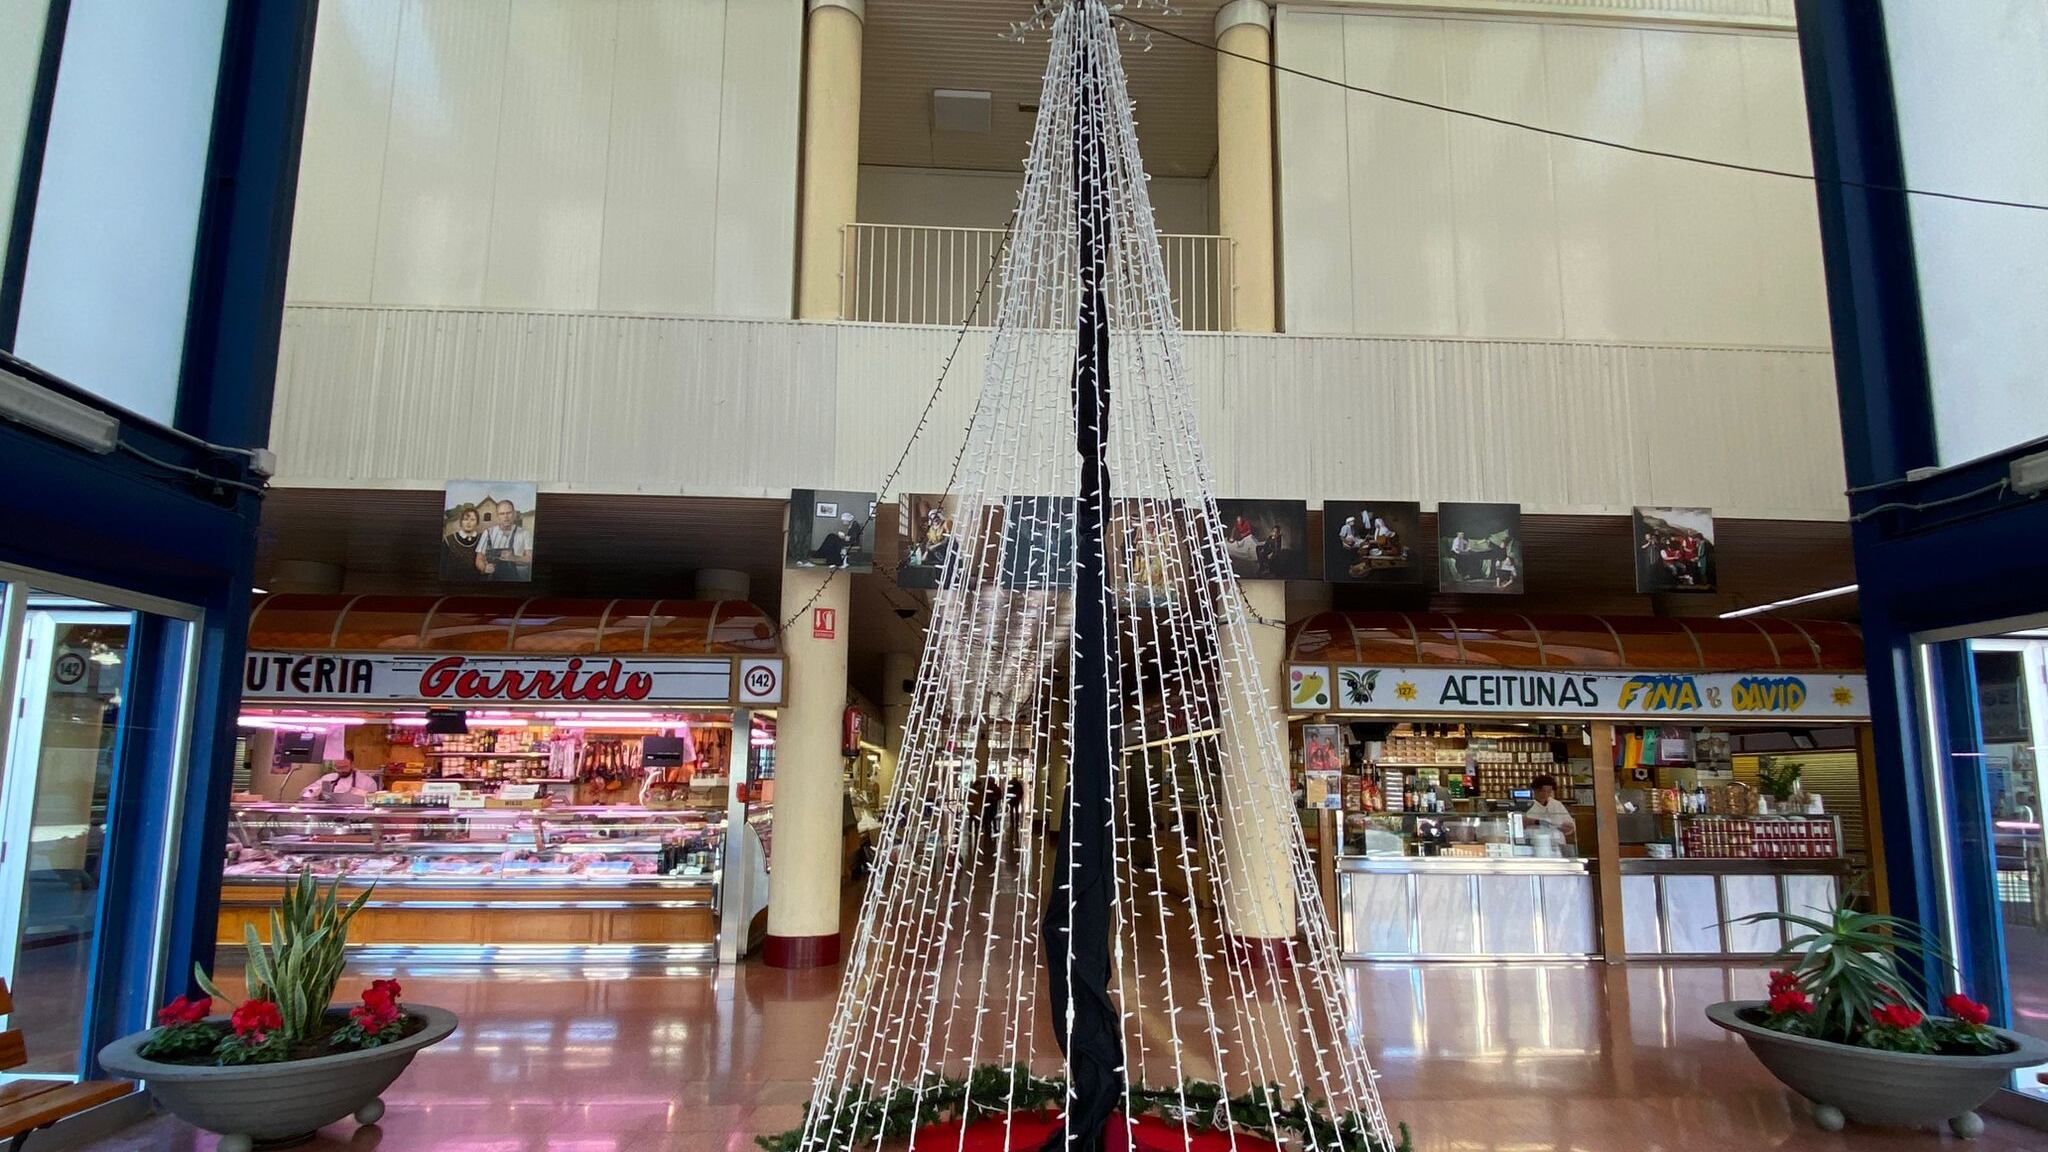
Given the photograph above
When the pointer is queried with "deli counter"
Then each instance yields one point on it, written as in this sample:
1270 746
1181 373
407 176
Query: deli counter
488 876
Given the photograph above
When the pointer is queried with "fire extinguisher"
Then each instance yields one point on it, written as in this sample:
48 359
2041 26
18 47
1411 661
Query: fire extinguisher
850 731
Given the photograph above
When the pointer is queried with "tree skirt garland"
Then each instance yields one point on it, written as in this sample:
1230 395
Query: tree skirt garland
1011 1110
1030 1131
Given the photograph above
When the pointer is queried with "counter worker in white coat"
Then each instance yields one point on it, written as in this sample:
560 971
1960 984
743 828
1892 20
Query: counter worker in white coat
1546 808
344 781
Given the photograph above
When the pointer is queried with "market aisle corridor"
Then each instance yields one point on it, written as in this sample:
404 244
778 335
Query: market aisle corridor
1567 1057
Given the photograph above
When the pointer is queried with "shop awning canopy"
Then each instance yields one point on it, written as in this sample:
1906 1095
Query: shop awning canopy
1644 643
300 622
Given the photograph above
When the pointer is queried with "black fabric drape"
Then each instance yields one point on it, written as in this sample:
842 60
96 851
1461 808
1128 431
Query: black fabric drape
1094 1049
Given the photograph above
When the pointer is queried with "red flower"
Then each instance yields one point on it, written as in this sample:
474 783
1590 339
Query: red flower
1897 1016
184 1011
1791 1002
1783 982
1967 1010
256 1019
376 1013
388 987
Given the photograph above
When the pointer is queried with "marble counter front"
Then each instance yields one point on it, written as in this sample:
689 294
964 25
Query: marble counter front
1466 908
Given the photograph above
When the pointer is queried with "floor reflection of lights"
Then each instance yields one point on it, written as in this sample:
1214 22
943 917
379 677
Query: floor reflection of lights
1476 1057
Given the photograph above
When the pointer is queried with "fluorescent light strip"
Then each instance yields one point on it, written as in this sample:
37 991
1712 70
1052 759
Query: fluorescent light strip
1809 598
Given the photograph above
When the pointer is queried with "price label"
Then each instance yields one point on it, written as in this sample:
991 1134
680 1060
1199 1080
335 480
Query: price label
467 800
519 792
441 788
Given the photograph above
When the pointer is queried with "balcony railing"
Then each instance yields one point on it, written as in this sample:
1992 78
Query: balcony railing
913 274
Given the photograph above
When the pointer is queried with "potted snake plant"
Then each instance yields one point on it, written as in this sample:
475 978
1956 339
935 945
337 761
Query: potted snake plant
285 1061
1843 1028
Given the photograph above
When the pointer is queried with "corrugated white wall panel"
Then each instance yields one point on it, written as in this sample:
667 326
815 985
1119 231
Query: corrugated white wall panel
440 163
625 155
548 186
1756 13
757 158
1400 220
411 397
662 166
341 159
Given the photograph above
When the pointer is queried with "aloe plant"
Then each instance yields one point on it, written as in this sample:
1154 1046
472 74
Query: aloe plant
1849 964
300 966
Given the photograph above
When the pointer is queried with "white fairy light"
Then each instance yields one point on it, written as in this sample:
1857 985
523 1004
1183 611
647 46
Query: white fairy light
944 971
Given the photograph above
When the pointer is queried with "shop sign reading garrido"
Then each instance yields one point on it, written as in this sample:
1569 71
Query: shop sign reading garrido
460 679
1453 691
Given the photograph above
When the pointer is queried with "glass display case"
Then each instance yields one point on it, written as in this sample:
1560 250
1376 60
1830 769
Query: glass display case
435 842
465 871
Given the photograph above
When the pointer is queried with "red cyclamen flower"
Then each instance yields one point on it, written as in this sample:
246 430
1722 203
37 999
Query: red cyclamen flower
184 1011
389 987
1967 1010
256 1019
1791 1002
1782 981
1897 1016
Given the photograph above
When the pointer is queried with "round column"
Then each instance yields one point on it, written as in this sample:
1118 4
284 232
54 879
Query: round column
1244 156
810 781
1257 829
831 151
899 679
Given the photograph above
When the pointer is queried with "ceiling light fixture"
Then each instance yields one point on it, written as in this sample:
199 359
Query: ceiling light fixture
25 402
1809 598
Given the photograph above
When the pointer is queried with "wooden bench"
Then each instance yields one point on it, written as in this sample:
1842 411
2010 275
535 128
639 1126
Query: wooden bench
27 1106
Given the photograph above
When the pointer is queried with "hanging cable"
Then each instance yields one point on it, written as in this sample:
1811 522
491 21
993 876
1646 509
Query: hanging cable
1559 133
924 417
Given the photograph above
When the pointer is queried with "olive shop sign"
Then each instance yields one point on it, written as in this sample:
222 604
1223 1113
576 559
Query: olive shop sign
1455 691
457 680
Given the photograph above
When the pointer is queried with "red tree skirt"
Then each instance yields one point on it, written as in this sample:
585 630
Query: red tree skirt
1025 1131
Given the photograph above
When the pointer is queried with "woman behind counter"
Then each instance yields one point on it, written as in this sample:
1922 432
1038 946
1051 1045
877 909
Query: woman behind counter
1546 808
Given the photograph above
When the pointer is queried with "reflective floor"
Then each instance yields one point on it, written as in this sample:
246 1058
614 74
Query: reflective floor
1512 1058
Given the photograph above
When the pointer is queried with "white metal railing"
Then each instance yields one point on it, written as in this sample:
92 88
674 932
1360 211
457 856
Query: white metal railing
916 274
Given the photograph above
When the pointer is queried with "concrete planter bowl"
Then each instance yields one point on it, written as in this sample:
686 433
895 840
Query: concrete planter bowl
278 1105
1872 1087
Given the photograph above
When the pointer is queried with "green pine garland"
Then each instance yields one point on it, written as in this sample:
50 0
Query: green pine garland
865 1113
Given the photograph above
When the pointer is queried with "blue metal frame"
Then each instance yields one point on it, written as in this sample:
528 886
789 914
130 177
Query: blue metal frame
1930 555
183 527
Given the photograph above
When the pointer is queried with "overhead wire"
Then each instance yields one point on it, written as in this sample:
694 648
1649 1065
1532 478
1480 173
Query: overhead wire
924 417
1580 137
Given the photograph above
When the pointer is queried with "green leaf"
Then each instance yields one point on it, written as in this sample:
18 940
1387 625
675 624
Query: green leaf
206 984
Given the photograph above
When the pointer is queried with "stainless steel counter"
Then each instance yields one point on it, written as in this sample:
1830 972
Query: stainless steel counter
1695 908
1466 865
1690 866
1466 908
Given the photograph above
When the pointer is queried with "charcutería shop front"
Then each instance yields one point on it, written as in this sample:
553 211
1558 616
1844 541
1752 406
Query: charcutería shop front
538 778
1490 787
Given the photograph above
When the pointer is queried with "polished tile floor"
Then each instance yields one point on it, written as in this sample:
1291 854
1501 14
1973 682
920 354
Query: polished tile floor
1511 1059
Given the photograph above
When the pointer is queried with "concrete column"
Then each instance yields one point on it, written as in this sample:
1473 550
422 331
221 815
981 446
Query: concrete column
810 785
1244 155
1257 827
899 678
831 156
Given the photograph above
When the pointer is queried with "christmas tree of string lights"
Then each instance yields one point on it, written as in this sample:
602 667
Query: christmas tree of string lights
1161 963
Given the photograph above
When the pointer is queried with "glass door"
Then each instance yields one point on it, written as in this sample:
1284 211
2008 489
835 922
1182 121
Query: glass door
2012 717
1986 701
71 678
